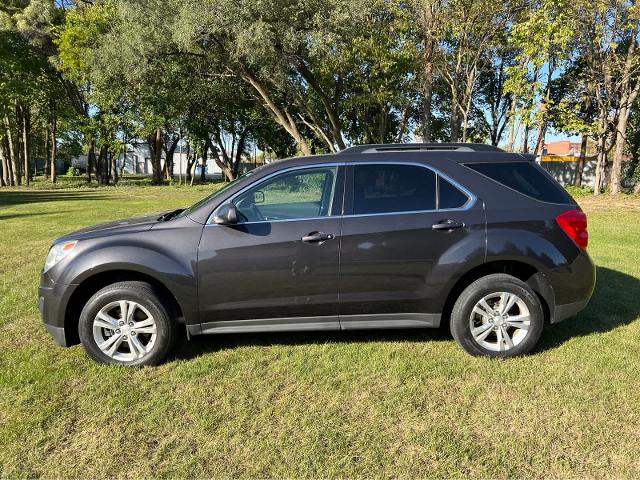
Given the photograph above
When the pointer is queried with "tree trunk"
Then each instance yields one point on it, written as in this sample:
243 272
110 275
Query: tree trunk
54 150
583 155
542 129
114 166
203 170
226 163
615 182
404 122
601 163
190 161
471 81
155 143
103 162
124 159
169 162
513 128
239 152
627 99
108 161
47 167
11 148
6 178
427 90
284 118
205 154
454 123
98 166
525 139
26 143
334 118
382 124
91 158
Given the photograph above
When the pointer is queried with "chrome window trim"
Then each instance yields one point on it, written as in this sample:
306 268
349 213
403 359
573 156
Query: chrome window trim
471 198
271 175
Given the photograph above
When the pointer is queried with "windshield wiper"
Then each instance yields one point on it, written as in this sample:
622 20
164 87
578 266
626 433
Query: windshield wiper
169 215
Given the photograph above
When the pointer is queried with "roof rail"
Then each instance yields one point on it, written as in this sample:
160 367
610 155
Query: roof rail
407 147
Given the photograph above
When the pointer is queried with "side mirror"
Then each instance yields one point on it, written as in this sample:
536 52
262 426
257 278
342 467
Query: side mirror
226 214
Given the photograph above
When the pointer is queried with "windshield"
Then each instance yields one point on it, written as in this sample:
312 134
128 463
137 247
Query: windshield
219 192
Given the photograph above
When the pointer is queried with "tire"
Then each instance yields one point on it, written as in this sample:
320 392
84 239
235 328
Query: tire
146 312
497 291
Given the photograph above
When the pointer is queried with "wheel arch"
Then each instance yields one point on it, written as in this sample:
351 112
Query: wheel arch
93 283
521 270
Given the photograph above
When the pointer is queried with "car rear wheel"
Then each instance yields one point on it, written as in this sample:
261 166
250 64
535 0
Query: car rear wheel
497 316
127 323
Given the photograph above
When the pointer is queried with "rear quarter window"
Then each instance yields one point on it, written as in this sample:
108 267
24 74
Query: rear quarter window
523 177
450 196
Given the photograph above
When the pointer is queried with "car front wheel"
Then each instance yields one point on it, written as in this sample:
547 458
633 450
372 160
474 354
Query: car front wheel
126 323
497 316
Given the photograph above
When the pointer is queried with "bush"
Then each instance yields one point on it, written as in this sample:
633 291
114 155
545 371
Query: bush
73 172
578 191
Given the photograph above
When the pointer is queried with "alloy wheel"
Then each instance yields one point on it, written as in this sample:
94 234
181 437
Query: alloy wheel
124 330
500 321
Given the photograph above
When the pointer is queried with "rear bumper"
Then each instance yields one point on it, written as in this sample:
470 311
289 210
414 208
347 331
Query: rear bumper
573 287
568 310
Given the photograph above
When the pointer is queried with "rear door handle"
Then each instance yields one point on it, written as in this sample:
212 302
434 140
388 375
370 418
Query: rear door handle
317 237
447 225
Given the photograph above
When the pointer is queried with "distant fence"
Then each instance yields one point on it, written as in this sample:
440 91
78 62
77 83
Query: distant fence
564 171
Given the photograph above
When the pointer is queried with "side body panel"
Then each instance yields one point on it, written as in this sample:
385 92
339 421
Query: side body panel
264 270
397 263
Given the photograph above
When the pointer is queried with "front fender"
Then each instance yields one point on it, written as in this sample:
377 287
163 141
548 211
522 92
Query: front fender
168 255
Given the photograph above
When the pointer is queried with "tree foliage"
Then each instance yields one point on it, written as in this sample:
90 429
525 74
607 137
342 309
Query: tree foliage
291 77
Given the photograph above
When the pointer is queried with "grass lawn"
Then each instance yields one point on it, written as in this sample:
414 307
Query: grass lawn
403 403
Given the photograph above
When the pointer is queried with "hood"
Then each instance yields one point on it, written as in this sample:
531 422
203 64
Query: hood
130 225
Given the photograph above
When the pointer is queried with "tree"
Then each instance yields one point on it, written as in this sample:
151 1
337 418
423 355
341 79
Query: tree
470 30
495 102
542 38
608 37
573 110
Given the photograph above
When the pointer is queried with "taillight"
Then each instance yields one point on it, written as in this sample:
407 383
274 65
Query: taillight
574 224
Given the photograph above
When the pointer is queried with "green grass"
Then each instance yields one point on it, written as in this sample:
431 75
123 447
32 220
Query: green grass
368 404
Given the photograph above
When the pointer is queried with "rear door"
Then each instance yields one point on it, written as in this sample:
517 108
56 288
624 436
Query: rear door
406 230
277 269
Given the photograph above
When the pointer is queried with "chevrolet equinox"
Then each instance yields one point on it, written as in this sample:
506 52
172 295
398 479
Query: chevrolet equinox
377 236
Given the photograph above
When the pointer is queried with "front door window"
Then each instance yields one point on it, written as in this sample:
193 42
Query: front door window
294 195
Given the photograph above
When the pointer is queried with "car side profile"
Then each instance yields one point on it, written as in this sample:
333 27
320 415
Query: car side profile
374 237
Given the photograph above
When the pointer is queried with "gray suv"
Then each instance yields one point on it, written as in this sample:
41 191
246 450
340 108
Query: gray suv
377 236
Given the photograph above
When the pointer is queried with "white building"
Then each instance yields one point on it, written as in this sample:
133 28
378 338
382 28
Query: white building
137 160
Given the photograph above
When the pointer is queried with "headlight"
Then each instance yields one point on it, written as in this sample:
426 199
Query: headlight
58 252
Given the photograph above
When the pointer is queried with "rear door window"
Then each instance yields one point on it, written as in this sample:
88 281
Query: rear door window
523 177
389 188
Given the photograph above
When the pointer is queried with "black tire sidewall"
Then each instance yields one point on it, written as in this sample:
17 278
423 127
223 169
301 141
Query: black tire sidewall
140 293
463 307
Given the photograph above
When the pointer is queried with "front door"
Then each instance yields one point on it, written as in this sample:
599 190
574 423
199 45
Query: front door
399 243
277 269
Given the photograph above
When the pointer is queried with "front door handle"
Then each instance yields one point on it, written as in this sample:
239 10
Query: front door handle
447 225
317 237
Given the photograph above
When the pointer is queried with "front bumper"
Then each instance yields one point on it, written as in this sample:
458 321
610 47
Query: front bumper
52 301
